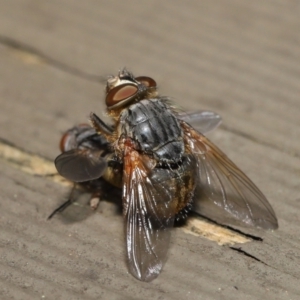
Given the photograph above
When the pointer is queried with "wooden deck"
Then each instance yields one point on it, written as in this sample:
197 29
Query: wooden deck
240 59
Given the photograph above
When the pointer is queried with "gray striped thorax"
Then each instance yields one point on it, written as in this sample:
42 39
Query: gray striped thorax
154 128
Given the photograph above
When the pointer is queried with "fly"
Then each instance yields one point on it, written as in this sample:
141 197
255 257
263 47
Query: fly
164 165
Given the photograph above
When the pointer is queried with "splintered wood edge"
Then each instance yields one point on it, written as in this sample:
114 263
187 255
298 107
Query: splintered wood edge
30 163
212 232
35 165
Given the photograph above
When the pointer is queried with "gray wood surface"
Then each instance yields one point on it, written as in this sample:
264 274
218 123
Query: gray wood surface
240 59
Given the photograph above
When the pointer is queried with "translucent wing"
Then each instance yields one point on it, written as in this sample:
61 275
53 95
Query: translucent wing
223 184
80 165
149 208
203 121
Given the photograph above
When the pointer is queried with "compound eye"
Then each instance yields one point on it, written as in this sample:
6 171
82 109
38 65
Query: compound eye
67 141
120 93
147 81
63 141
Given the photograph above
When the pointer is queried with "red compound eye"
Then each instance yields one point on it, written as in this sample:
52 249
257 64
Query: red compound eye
64 141
147 81
120 93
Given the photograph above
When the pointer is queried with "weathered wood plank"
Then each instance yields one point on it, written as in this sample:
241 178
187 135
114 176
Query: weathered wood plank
240 60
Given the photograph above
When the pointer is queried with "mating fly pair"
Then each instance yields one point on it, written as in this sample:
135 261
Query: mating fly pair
164 166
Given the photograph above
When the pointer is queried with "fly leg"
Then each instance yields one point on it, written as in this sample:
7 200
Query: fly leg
95 199
100 126
66 204
99 190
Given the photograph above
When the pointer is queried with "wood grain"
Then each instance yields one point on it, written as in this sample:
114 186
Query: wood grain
240 59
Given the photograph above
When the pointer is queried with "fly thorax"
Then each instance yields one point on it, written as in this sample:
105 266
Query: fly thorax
153 127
